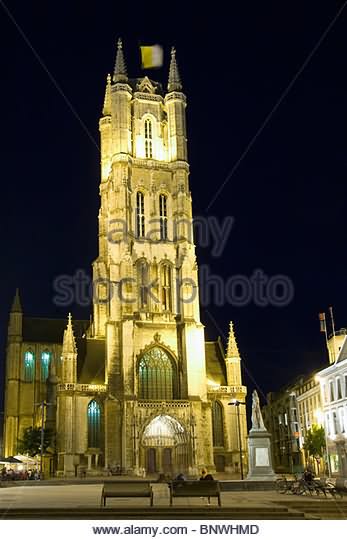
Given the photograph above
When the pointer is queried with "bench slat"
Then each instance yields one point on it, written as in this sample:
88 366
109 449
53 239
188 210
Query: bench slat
126 489
199 488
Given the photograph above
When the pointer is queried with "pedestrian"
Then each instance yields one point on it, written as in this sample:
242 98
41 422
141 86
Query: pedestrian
308 475
206 477
180 479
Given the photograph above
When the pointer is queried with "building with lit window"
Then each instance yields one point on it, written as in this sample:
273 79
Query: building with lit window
309 405
137 387
333 385
281 418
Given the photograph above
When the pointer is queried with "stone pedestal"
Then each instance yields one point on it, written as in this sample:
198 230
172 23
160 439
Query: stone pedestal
259 455
69 469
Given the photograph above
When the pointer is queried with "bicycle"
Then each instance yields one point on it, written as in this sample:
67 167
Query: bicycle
283 485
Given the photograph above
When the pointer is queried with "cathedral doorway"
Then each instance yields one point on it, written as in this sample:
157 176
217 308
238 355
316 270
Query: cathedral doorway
151 460
164 446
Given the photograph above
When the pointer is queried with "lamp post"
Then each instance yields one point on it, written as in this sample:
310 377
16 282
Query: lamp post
42 404
2 413
193 426
236 403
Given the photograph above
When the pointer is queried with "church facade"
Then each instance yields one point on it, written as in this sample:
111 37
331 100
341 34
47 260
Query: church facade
136 388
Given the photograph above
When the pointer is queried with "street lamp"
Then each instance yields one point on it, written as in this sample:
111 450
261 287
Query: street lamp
42 404
2 413
236 403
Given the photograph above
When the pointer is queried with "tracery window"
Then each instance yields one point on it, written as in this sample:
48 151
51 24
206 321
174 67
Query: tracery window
163 216
157 375
217 424
29 366
148 139
143 283
166 287
45 361
94 424
140 215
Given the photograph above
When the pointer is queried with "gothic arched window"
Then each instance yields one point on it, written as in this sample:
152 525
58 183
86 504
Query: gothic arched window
143 282
339 390
94 424
163 216
29 366
217 424
157 375
140 215
45 361
166 286
148 139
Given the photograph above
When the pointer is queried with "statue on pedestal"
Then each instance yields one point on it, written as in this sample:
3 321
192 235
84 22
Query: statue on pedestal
257 417
259 446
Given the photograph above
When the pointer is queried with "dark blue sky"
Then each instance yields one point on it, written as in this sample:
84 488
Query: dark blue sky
288 196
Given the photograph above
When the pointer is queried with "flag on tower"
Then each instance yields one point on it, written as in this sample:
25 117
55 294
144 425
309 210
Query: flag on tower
323 327
152 56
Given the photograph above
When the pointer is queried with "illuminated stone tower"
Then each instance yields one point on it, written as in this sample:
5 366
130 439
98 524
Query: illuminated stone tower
147 304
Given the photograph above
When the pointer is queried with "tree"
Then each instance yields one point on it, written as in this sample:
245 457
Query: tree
314 444
31 442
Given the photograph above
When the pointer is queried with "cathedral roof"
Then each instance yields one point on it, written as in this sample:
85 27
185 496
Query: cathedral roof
215 363
91 361
37 330
137 84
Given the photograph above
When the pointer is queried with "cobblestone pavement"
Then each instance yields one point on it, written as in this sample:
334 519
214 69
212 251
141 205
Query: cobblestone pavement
88 495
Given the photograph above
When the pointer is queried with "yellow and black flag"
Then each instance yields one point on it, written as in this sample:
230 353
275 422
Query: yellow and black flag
322 322
152 56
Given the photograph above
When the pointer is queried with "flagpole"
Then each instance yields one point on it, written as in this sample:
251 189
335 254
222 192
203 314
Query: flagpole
323 328
333 327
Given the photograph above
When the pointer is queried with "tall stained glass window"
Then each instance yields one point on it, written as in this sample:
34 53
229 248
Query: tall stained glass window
29 366
45 361
217 424
157 375
94 424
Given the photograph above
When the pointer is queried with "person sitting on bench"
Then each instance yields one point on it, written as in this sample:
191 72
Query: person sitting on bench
206 477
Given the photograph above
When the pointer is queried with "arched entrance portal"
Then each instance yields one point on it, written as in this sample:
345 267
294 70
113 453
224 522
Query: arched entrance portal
164 446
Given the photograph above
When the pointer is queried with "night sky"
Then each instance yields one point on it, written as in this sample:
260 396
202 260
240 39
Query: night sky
288 196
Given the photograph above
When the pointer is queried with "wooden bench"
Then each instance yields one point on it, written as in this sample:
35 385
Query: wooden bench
195 488
126 489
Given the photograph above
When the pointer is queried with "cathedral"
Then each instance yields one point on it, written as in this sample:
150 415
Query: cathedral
136 388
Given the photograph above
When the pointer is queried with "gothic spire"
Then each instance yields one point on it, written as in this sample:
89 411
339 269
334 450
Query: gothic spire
120 70
16 305
233 351
174 75
106 111
69 343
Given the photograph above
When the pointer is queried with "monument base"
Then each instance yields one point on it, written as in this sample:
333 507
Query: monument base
259 455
